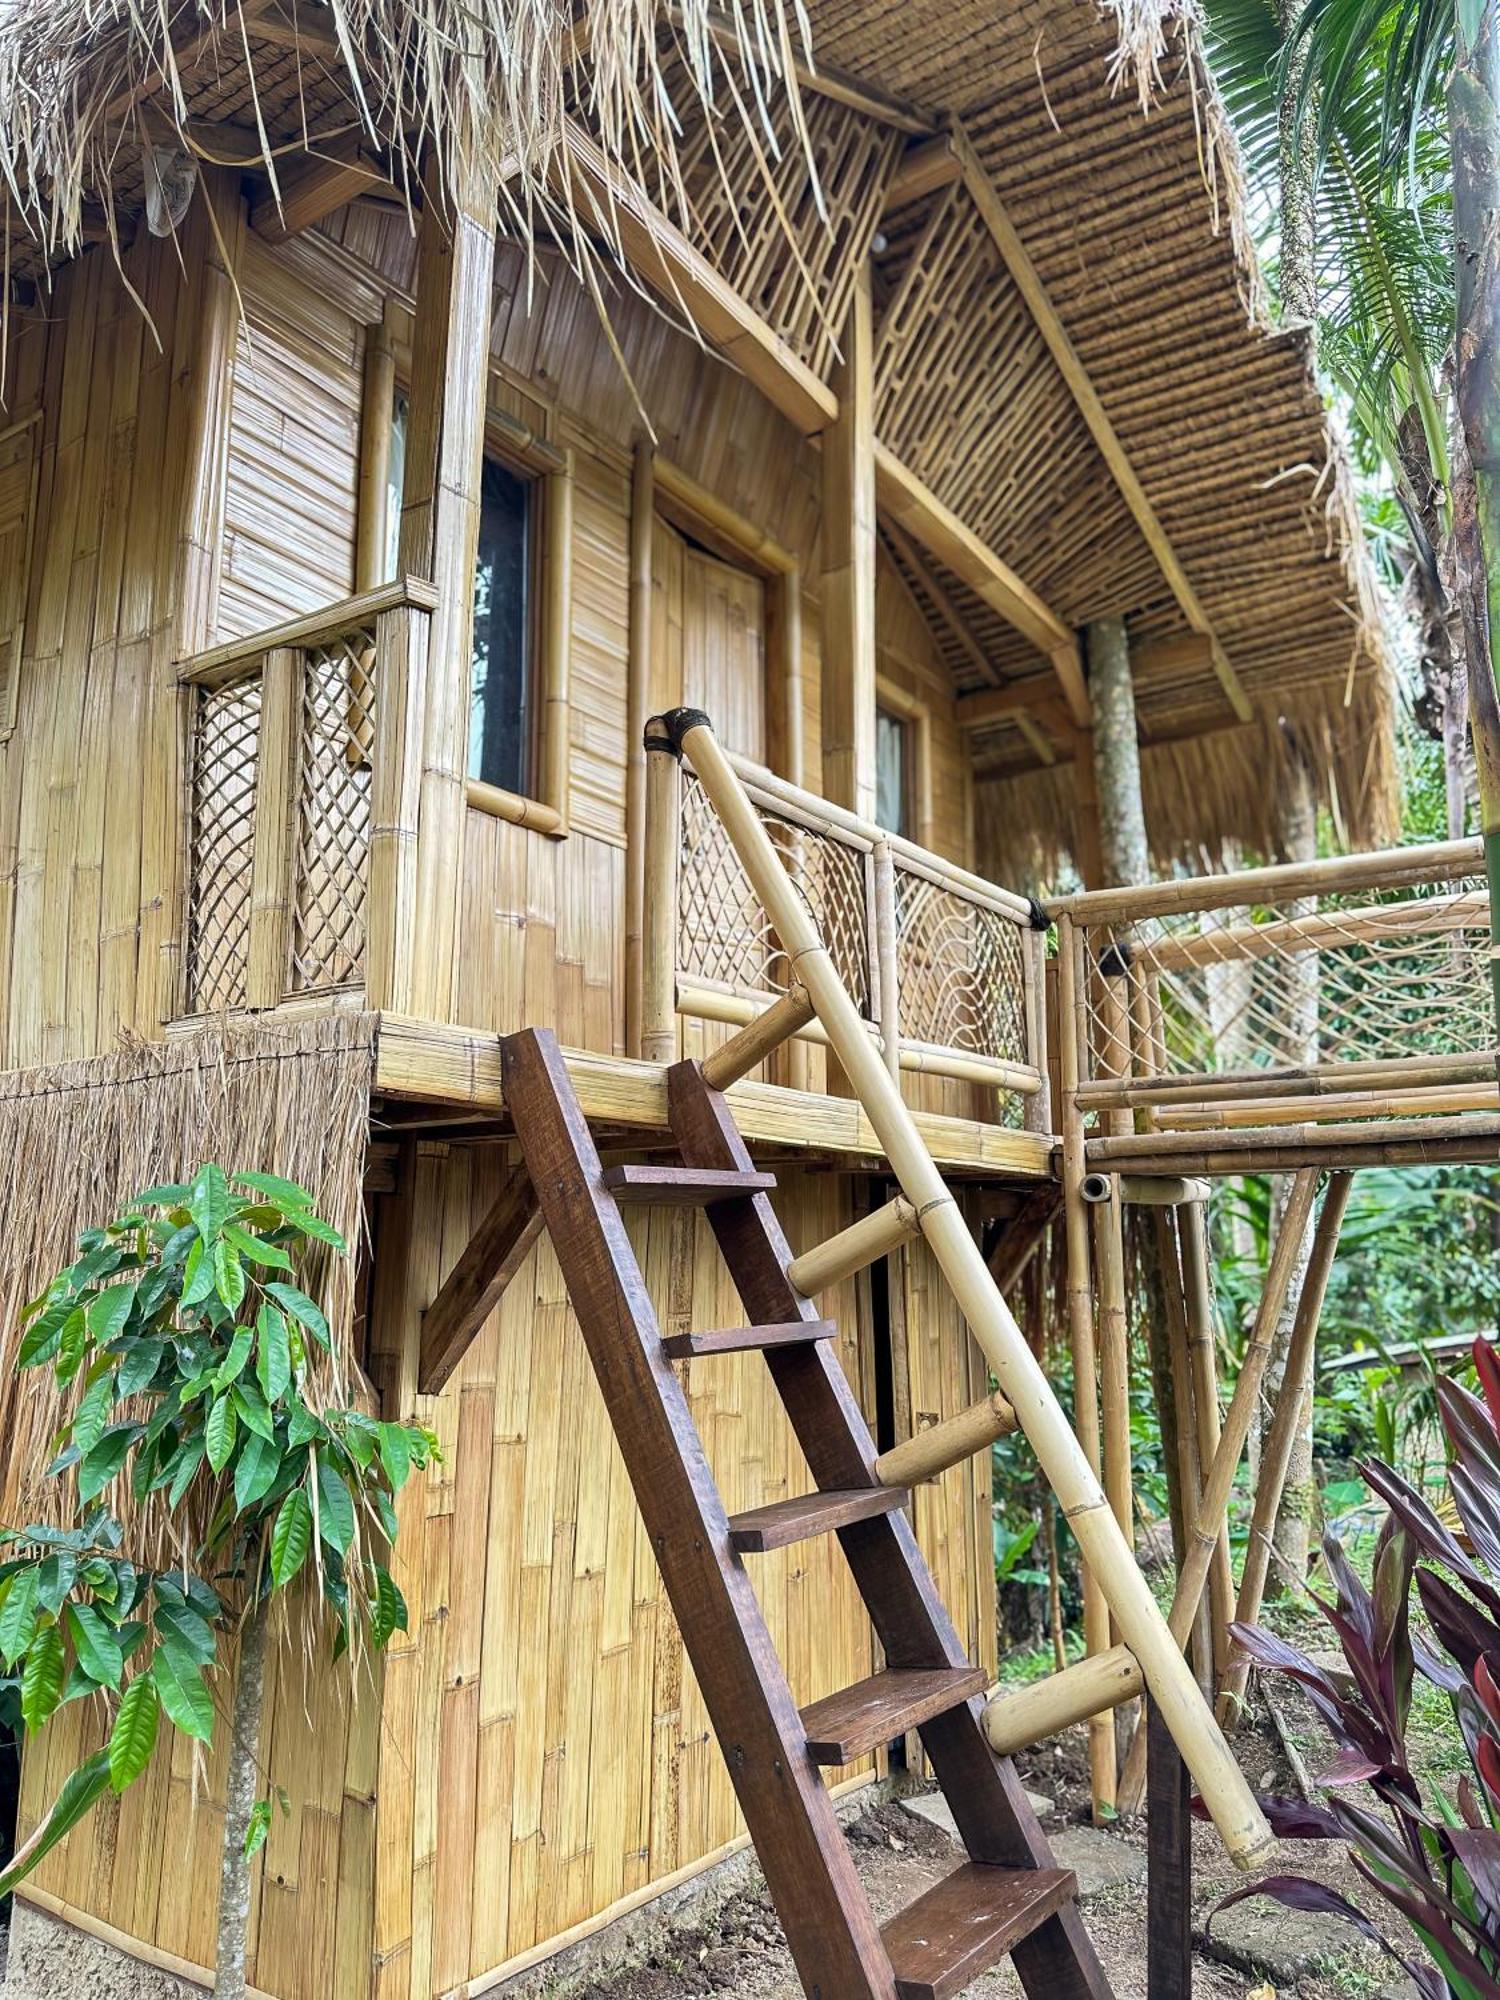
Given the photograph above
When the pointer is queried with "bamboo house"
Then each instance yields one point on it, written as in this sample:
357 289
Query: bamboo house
405 410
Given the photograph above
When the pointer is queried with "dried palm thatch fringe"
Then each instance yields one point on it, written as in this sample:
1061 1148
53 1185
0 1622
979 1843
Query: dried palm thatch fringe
478 89
79 1139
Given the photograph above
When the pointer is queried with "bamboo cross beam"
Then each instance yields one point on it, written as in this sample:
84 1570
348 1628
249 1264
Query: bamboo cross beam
1231 1804
1296 1385
1219 1480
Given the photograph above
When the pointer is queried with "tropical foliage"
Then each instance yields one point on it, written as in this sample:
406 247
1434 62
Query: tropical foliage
197 1475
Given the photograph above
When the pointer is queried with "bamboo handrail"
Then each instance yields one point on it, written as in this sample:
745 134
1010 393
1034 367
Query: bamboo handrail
1321 930
1382 868
313 628
1241 1824
1305 1080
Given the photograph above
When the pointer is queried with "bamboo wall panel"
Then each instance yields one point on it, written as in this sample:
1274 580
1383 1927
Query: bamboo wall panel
601 620
289 505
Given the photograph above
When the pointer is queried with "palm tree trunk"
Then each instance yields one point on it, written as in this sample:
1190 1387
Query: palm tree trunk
240 1789
1474 132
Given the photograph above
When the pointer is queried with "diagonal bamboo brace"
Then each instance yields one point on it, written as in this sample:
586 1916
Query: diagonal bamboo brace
949 1443
1241 1824
1219 1481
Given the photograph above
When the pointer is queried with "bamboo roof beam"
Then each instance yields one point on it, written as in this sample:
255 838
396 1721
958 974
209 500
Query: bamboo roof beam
311 188
933 525
1070 365
921 171
826 80
662 257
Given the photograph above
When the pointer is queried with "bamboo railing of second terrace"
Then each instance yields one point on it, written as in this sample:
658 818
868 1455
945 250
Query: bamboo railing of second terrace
1313 1011
281 767
947 970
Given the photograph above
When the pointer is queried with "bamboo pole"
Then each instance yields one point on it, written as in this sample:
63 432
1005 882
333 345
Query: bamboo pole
663 835
1184 1428
886 980
1306 1080
1072 1023
1219 1482
554 725
637 714
1423 1101
758 1039
1114 1361
933 1450
1145 1190
1388 1142
1037 1116
1082 1693
874 1235
1276 1453
1198 1314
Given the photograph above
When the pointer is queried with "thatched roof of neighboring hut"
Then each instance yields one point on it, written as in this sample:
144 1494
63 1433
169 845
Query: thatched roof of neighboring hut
1121 183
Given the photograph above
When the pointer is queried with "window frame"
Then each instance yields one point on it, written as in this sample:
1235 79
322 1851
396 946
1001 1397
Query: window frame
914 712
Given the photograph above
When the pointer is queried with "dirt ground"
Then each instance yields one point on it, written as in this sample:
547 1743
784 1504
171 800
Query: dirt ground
739 1950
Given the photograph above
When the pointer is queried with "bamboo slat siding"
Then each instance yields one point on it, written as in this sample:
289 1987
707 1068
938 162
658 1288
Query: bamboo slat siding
293 448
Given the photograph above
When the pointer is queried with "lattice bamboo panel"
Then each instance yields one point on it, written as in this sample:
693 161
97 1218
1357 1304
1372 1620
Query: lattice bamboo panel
225 768
333 814
959 971
750 199
725 937
1318 980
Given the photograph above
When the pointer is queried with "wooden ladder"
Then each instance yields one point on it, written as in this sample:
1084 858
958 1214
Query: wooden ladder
1009 1898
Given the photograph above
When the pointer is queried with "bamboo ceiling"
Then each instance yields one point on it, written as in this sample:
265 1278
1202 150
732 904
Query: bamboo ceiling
1132 220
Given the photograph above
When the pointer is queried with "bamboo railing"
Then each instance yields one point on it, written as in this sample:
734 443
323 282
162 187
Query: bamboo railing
283 773
947 970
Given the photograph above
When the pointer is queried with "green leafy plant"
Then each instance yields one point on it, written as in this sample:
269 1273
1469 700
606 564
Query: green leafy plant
188 1351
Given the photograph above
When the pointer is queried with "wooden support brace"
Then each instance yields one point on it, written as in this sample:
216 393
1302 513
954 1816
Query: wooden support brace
474 1286
1169 1873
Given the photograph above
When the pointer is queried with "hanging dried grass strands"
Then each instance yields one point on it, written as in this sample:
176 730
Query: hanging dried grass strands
79 1139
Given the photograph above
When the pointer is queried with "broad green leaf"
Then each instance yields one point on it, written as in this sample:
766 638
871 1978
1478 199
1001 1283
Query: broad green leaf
133 1737
184 1694
255 1471
44 1334
254 1410
278 1189
107 1312
219 1433
93 1414
198 1276
184 1463
18 1615
42 1677
54 1581
273 1356
208 1202
229 1274
256 1248
233 1364
72 1346
102 1463
170 1194
314 1226
185 1629
302 1426
291 1537
96 1645
77 1797
388 1614
395 1454
138 1368
335 1508
257 1829
303 1309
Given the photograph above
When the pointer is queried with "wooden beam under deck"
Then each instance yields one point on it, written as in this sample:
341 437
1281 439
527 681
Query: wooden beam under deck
457 1070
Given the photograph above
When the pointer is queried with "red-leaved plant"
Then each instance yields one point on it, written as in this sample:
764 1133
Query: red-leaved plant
1434 1860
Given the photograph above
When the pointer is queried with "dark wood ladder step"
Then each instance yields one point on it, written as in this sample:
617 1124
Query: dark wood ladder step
684 1186
736 1339
943 1941
809 1514
845 1726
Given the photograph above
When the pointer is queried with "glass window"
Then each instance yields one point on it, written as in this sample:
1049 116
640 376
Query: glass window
395 481
500 717
892 771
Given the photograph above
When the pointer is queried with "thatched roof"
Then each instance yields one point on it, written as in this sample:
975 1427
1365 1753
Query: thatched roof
1118 176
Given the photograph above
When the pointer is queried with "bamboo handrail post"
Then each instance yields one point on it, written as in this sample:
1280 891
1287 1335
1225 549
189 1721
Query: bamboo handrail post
883 870
1037 1112
1276 1453
637 704
1219 1481
1072 1019
663 850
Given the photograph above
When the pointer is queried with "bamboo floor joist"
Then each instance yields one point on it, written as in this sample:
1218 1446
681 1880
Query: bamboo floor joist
458 1070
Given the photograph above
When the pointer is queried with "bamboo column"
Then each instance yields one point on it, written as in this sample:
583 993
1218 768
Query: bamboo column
1063 1461
887 978
1276 1453
849 544
662 842
1219 1483
637 713
1197 1298
1072 1043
